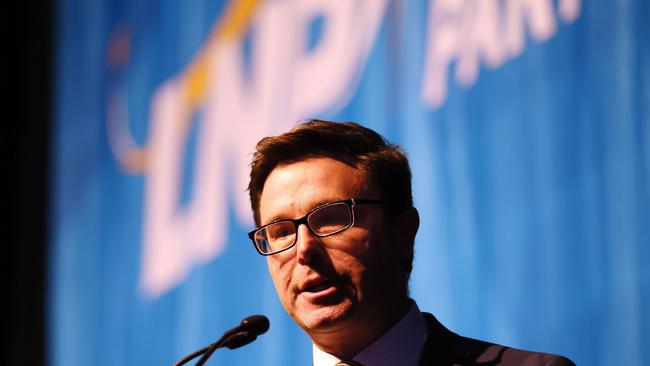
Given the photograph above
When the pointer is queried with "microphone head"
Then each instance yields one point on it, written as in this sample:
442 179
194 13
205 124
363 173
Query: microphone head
256 324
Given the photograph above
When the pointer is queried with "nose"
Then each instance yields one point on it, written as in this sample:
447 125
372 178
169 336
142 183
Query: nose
308 246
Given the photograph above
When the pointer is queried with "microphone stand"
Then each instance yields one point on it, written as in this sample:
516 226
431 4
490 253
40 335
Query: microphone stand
236 337
192 356
209 350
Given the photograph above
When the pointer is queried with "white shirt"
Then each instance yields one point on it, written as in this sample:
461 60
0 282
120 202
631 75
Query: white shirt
401 345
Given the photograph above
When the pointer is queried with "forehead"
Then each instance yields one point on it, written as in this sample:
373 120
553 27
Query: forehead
293 189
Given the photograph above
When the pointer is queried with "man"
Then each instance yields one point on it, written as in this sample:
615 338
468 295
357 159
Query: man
337 225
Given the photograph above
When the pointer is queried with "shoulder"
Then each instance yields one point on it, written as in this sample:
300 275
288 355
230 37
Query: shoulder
445 347
496 354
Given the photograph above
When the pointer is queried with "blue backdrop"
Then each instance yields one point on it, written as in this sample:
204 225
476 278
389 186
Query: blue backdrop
527 124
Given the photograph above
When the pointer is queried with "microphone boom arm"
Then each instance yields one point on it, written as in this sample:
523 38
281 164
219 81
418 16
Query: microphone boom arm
236 337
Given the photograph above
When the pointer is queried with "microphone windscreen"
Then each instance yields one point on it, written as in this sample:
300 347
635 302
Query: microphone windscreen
256 324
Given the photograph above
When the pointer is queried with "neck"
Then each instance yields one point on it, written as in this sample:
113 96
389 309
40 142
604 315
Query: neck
347 340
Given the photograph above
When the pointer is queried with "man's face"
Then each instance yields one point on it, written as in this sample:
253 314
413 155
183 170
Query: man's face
345 283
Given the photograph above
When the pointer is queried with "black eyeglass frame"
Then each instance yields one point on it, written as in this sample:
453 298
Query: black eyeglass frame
350 203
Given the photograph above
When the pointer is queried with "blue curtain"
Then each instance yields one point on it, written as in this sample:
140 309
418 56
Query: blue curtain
526 123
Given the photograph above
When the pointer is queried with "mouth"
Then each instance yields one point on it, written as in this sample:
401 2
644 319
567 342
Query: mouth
319 285
322 290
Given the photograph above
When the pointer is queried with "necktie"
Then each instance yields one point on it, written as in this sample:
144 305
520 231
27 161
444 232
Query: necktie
348 363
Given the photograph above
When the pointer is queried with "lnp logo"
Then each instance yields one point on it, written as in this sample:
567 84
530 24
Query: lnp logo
287 82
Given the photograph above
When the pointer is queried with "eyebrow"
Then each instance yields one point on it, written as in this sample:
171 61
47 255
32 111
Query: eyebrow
279 217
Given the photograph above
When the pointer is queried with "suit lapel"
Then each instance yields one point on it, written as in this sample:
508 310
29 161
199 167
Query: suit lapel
446 348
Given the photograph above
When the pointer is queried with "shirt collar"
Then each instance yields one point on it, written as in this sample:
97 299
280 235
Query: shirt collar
401 345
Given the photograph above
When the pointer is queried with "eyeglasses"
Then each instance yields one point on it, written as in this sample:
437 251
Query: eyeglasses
322 221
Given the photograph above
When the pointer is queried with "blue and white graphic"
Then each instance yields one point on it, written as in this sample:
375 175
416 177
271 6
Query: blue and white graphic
527 123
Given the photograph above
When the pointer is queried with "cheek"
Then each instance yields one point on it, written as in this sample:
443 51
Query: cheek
374 257
357 257
280 274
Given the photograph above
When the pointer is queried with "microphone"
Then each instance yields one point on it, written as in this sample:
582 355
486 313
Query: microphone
246 332
239 336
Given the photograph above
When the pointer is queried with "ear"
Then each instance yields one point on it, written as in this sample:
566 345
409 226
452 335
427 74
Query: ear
406 227
411 223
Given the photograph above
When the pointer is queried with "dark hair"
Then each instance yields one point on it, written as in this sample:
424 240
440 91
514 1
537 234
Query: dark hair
386 164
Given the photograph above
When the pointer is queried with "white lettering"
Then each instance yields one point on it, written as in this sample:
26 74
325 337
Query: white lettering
569 10
472 32
538 14
164 227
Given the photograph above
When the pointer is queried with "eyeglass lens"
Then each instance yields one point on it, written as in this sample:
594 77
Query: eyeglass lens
323 221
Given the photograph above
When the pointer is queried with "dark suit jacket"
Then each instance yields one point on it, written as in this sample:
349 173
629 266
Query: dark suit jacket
446 348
